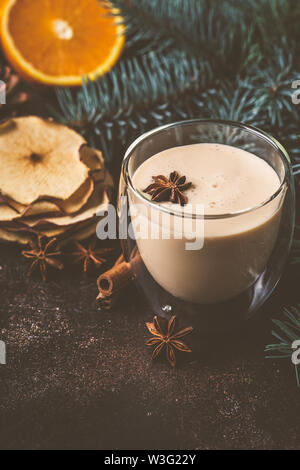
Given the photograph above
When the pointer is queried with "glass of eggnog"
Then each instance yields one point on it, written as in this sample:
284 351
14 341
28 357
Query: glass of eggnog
206 217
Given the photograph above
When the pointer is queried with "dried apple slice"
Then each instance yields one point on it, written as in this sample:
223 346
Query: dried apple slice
38 207
82 234
11 203
94 160
22 234
26 231
61 233
7 213
79 198
98 201
78 231
39 158
55 226
12 211
15 237
71 205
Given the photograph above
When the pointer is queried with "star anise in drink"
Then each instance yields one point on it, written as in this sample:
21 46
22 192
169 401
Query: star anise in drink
43 253
168 189
92 256
164 335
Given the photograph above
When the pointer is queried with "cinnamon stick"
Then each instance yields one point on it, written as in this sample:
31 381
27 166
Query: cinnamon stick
115 278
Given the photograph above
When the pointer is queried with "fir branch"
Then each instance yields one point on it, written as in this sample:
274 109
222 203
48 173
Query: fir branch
274 92
135 96
229 33
278 21
290 138
262 100
220 34
143 31
234 102
287 331
296 169
144 93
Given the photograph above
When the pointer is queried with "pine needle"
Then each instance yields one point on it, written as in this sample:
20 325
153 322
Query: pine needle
289 328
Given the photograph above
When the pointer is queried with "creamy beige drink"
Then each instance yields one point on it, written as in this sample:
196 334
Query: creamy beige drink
236 249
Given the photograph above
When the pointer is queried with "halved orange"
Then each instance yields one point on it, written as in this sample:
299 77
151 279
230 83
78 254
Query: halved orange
57 42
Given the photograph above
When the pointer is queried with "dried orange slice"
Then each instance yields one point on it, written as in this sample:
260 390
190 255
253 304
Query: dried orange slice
58 42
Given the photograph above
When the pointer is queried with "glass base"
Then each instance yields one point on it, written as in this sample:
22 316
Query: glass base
212 321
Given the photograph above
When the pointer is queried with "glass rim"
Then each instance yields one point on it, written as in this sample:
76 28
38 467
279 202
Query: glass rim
254 130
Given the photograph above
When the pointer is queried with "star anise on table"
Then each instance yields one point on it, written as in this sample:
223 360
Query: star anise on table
43 253
164 335
168 189
91 255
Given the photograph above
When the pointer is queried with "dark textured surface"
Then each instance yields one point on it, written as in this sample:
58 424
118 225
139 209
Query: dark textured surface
78 377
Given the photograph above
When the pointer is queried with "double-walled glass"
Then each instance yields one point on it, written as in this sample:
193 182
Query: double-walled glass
236 269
